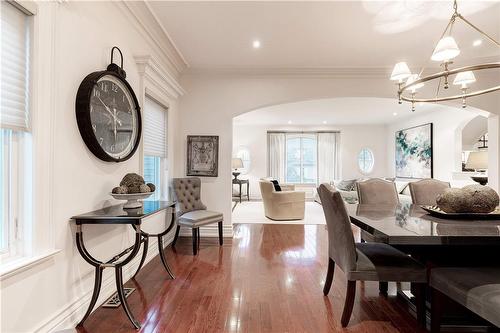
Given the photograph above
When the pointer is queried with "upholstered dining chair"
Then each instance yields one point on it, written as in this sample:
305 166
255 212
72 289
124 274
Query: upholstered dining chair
191 212
377 191
364 261
425 191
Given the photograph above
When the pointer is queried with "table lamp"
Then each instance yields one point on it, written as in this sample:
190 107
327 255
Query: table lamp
478 160
236 163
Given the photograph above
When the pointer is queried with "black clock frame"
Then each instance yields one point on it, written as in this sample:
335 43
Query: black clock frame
82 106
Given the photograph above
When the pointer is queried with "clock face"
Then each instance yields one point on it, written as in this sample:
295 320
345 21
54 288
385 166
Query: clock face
113 116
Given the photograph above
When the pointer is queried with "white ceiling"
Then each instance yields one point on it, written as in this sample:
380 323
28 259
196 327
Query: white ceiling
335 111
321 34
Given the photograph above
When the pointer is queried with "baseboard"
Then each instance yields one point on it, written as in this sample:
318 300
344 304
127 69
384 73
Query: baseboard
211 230
70 315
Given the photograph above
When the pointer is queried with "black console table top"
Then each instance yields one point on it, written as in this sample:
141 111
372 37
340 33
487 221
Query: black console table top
118 215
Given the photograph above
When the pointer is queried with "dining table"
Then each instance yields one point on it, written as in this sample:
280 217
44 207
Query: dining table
432 240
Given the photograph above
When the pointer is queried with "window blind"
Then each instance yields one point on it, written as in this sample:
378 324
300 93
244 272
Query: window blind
14 73
155 129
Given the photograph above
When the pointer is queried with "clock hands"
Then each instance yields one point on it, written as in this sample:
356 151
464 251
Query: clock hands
113 114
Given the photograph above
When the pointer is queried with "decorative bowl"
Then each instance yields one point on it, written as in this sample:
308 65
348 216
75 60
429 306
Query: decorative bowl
132 199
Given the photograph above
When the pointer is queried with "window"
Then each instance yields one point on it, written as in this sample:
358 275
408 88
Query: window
15 133
301 158
366 161
155 147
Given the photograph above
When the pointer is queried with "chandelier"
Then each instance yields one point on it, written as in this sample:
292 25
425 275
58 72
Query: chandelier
445 50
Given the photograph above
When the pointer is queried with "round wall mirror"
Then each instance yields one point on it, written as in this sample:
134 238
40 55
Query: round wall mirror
366 161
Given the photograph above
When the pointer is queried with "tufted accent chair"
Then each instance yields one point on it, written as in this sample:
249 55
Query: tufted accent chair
191 212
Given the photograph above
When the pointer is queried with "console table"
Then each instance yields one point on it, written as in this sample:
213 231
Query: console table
118 215
240 182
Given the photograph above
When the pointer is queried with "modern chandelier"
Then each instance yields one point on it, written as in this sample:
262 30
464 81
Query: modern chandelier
445 50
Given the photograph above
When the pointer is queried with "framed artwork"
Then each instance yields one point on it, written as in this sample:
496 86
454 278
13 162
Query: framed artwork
203 155
414 152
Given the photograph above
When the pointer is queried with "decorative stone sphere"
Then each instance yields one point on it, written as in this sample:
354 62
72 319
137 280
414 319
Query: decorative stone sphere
134 189
120 190
132 179
470 199
152 186
481 199
452 201
144 188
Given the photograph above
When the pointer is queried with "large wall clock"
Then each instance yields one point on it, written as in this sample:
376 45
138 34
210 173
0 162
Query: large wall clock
108 114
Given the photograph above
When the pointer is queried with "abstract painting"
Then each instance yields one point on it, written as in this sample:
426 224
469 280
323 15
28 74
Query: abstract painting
414 152
202 155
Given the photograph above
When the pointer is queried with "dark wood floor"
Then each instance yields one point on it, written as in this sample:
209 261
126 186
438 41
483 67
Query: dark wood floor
268 278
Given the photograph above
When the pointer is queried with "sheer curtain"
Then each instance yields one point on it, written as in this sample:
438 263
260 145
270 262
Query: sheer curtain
328 157
276 155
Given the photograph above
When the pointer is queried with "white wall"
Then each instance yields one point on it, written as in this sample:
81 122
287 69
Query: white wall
56 292
352 139
447 138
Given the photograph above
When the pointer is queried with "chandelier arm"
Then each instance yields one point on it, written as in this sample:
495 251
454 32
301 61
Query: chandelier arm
478 30
449 98
450 72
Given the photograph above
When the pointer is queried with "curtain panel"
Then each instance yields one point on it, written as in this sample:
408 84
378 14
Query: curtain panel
328 157
276 156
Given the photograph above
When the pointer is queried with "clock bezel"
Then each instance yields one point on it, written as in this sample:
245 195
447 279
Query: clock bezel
83 118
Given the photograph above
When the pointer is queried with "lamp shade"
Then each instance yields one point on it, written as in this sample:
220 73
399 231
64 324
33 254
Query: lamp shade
464 78
412 78
237 163
400 72
446 49
478 160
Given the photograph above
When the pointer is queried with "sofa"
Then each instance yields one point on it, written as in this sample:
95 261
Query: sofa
283 205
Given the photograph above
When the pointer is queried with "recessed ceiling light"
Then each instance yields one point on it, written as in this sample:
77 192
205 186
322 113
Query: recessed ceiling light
477 42
395 114
256 44
289 122
324 122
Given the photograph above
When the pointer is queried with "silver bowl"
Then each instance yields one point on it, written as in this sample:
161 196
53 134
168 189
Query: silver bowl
132 199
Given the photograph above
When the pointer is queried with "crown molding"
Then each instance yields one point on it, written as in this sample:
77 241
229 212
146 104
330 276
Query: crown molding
154 33
152 70
326 72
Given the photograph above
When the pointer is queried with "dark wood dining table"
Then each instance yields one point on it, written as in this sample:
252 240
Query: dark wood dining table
431 240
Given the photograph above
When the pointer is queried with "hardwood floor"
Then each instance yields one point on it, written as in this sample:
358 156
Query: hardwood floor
268 278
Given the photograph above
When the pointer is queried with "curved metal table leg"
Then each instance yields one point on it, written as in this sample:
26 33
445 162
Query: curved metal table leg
121 296
144 255
95 294
162 257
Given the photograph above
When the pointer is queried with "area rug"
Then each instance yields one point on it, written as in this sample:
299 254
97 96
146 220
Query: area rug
253 212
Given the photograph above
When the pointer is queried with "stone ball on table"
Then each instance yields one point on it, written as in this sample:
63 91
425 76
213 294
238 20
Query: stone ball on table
152 186
144 188
481 199
453 200
132 179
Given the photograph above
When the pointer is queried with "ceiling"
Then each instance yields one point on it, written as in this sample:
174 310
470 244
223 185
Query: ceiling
219 35
336 111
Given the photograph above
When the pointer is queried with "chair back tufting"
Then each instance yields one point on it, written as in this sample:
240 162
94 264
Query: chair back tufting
188 194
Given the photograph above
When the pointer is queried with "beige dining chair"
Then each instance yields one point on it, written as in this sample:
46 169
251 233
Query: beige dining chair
377 191
191 212
425 191
364 261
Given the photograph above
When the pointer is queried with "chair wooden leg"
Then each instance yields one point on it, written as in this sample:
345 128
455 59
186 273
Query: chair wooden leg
349 303
420 304
383 287
221 239
195 240
176 235
436 310
329 276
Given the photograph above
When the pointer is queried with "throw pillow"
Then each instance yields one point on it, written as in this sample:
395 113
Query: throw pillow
347 185
277 186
